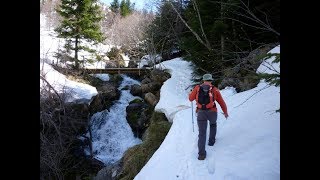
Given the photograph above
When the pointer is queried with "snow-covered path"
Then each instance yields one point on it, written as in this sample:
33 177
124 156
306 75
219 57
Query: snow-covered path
247 143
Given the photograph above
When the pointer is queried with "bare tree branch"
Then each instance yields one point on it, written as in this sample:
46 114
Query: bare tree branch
44 79
267 86
200 22
192 31
246 24
270 67
251 16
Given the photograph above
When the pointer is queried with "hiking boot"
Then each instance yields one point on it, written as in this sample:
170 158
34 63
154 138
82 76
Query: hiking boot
201 157
211 143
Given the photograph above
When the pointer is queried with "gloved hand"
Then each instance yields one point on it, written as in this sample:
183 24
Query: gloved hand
226 115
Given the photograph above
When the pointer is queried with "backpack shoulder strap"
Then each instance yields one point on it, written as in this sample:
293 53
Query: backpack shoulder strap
198 86
213 88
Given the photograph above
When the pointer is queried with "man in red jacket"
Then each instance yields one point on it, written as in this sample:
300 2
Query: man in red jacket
207 110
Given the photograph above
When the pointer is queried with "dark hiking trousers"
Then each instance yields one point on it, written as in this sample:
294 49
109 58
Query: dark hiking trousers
202 118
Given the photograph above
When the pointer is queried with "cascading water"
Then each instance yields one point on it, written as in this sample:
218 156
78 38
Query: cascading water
111 134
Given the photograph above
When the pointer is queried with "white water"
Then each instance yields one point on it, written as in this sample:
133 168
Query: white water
111 134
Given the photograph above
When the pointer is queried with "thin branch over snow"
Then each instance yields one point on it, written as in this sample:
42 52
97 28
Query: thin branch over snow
267 86
270 67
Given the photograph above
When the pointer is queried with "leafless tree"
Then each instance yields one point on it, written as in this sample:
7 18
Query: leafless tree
248 14
47 7
128 31
59 125
52 151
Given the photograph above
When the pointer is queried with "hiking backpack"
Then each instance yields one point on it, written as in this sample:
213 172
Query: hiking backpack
205 97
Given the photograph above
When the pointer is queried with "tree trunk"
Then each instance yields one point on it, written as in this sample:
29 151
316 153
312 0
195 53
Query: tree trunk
76 54
234 30
207 44
222 36
222 46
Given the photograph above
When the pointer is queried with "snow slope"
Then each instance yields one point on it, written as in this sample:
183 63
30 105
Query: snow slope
49 45
76 92
247 143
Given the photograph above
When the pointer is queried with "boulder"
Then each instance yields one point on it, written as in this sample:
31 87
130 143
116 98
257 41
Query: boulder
243 76
104 99
109 172
150 87
159 75
136 90
151 99
146 80
137 117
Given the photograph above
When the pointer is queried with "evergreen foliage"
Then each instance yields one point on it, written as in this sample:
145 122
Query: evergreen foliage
126 8
273 78
229 31
80 22
114 6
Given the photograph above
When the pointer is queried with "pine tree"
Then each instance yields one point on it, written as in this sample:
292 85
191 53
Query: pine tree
80 22
126 7
204 17
115 6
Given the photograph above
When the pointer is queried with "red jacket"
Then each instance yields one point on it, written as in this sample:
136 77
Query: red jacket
217 97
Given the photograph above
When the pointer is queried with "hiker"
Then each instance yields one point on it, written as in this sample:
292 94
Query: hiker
207 110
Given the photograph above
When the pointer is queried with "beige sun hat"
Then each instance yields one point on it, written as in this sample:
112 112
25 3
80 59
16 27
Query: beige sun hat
207 77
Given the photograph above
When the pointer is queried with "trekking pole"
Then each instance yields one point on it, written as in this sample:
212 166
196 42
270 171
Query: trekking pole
192 115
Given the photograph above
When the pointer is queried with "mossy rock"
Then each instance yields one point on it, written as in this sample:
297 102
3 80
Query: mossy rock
136 101
136 157
117 78
138 117
132 118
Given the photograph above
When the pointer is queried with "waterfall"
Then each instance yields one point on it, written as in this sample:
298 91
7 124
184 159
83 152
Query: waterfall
111 134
